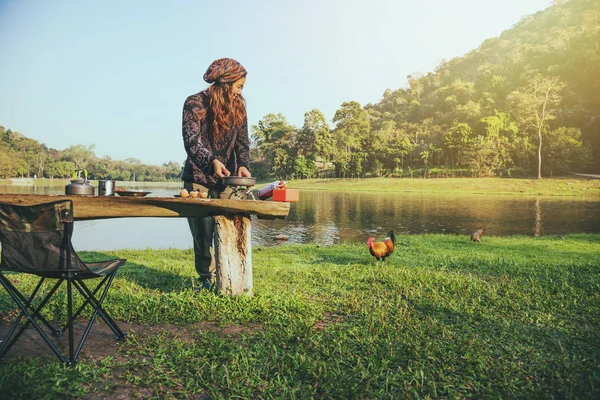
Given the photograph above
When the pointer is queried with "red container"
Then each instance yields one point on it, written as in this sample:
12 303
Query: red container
267 191
289 195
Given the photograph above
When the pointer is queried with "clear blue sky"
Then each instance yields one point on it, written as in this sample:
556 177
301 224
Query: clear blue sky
116 73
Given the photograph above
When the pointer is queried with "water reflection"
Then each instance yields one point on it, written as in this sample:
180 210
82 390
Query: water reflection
537 227
329 218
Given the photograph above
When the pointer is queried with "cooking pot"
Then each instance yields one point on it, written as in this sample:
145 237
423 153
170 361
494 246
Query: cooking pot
80 187
106 187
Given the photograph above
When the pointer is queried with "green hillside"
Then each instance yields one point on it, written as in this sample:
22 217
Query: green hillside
481 114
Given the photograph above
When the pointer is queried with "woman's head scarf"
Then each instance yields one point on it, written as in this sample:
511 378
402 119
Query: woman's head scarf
224 70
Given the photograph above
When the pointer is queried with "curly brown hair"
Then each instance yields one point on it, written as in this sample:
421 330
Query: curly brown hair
227 111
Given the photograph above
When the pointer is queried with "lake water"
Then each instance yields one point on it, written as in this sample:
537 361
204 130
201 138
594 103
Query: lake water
330 218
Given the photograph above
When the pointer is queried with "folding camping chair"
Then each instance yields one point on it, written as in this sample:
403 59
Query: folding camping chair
37 240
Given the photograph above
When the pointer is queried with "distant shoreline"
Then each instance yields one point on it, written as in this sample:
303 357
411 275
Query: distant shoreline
564 186
62 182
575 186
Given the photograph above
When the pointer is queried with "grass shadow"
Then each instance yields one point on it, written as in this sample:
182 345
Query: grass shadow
143 275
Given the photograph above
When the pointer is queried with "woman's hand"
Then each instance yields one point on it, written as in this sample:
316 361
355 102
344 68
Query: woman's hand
220 169
243 172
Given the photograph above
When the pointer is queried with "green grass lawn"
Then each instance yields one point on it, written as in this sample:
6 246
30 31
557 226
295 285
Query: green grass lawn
443 318
546 187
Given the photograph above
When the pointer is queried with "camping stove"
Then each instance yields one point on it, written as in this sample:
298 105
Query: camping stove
241 187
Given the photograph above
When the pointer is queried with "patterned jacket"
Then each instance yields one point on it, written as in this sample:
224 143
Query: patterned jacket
201 147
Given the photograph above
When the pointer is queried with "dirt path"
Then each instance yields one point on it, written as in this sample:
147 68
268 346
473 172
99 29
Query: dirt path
101 341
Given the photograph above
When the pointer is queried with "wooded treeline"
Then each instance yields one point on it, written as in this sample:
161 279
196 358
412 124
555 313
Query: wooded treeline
21 156
525 103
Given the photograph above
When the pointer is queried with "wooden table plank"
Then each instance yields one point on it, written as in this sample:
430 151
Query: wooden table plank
101 207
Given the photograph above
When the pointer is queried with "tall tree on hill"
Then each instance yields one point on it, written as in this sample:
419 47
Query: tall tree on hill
314 141
42 158
352 129
536 105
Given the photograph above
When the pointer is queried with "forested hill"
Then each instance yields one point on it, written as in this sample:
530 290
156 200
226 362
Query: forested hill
562 41
21 156
484 112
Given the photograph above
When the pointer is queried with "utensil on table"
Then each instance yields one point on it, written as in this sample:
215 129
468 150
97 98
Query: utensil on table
106 187
79 186
130 193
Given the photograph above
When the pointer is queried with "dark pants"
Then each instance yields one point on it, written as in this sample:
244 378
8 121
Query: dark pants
202 229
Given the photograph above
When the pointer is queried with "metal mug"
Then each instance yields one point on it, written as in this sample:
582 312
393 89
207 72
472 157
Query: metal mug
106 188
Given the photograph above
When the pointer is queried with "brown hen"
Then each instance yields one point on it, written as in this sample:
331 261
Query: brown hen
476 236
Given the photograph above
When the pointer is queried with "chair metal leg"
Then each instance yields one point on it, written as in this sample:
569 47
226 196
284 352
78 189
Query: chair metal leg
97 303
98 310
87 299
13 291
30 319
72 357
90 298
102 312
28 302
11 337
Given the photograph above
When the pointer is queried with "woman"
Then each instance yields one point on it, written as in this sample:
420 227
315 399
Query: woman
215 137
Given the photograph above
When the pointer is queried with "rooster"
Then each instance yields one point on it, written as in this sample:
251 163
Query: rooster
476 236
381 250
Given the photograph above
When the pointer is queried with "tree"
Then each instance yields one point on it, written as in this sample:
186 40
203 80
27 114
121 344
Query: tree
352 128
416 84
27 150
304 166
315 139
173 170
500 130
536 104
565 151
42 158
8 166
428 152
456 141
6 137
22 167
274 141
60 169
386 147
481 155
79 155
